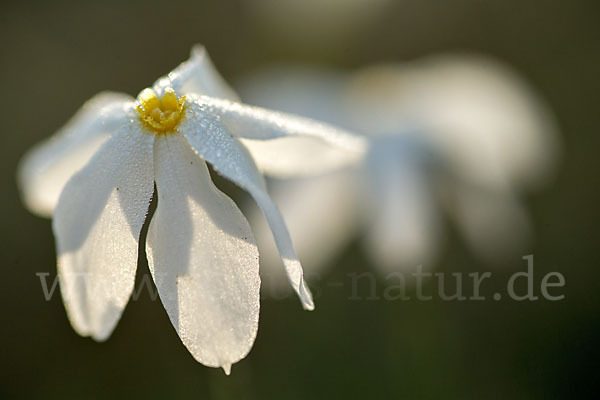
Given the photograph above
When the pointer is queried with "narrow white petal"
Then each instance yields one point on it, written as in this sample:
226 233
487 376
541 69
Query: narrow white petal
322 213
97 224
203 258
287 157
284 144
197 75
212 141
44 170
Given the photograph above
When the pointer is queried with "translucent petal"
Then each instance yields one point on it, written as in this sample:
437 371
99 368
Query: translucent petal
284 144
212 141
197 75
297 156
203 258
45 169
97 224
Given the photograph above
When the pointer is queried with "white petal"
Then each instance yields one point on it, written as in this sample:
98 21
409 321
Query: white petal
322 214
297 156
97 224
404 224
45 169
197 75
203 258
284 144
209 138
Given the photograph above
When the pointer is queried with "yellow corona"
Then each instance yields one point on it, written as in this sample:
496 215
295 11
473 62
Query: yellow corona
161 116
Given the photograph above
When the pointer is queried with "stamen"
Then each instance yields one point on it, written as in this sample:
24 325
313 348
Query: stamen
161 116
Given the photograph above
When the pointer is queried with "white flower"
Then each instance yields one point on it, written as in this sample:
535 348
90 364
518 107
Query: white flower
460 133
96 178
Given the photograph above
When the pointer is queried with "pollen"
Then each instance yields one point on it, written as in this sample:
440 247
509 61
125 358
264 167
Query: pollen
160 116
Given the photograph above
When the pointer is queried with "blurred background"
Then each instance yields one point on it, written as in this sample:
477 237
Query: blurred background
56 55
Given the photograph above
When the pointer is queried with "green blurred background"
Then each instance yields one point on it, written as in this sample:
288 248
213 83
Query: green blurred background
58 54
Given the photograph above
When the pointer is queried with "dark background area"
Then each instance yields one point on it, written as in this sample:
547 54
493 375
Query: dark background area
56 55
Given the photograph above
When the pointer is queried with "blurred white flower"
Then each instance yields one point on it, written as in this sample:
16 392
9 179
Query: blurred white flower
96 178
461 134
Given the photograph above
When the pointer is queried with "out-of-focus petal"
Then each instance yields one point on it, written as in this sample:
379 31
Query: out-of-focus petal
203 258
284 144
213 142
197 75
403 231
45 169
322 213
97 224
476 112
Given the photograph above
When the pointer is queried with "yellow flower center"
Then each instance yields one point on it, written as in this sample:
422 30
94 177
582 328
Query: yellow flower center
162 115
